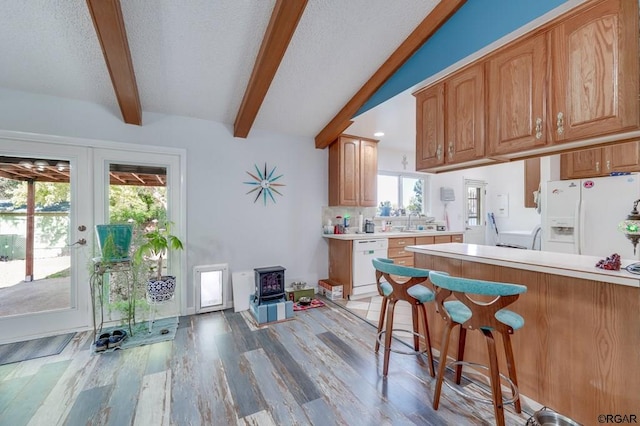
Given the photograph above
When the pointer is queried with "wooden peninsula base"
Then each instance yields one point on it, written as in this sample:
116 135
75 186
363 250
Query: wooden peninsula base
579 350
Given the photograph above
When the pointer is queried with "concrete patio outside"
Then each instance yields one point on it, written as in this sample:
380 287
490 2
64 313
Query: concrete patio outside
41 294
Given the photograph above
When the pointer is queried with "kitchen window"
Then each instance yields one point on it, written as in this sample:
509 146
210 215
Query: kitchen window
406 192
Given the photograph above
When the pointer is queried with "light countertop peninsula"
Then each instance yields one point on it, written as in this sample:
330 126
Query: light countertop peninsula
570 265
390 234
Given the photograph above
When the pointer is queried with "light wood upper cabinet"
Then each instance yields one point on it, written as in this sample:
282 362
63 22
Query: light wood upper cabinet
516 94
531 180
430 127
368 173
464 118
558 88
353 170
595 71
450 120
600 161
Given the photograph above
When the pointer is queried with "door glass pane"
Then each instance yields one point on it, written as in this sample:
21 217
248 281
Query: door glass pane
34 235
473 206
138 196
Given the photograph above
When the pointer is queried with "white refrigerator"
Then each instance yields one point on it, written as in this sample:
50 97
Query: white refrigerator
581 216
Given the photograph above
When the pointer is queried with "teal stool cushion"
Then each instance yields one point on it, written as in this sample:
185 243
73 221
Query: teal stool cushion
386 288
460 313
422 293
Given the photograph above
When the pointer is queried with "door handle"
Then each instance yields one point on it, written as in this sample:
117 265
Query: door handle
80 242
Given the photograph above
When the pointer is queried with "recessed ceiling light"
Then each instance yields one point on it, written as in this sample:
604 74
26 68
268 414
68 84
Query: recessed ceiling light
378 134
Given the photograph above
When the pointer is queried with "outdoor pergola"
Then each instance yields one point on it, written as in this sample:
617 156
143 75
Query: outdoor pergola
33 170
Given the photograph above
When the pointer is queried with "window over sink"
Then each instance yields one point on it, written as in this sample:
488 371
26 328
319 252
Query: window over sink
405 192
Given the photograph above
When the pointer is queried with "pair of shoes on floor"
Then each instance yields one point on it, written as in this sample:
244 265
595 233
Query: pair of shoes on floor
103 342
110 340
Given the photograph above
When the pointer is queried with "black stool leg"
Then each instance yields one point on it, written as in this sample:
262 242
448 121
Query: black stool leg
462 339
427 338
494 374
383 310
511 366
387 337
442 366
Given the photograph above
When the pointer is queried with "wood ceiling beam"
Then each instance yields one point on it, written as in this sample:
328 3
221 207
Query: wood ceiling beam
109 25
284 20
434 20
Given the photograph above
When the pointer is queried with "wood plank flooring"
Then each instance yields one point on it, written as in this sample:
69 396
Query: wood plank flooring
318 368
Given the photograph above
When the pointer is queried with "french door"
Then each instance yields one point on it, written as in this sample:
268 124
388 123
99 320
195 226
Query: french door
46 230
159 175
48 244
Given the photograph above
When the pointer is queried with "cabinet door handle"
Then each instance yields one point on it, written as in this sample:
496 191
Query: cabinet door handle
538 128
451 150
608 165
439 152
560 123
597 166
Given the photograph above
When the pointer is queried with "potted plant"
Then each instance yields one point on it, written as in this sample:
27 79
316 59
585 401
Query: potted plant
156 246
114 241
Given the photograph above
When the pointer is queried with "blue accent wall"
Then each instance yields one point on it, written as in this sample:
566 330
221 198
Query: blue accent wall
477 24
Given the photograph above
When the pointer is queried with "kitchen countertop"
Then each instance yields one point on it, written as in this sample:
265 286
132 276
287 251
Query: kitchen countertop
571 265
390 234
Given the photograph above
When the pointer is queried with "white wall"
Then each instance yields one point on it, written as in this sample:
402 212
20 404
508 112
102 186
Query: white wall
391 160
505 178
223 223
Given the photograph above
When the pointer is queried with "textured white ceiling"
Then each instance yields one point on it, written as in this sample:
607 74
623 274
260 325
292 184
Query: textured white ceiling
194 57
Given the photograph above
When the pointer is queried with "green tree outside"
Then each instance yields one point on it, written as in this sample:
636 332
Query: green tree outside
415 202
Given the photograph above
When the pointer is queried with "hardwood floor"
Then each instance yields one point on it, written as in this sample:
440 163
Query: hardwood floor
318 368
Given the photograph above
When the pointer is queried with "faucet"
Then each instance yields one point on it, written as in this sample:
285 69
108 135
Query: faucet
409 222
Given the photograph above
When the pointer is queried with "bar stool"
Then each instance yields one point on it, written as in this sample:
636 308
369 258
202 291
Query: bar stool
488 317
410 291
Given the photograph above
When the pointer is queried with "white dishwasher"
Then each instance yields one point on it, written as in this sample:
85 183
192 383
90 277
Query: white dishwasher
364 274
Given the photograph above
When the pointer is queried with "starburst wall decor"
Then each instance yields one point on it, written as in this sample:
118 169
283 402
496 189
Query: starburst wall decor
264 183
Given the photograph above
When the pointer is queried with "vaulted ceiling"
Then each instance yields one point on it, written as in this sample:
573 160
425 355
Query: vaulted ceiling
300 67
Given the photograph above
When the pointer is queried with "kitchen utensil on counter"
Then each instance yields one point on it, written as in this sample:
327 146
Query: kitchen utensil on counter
369 227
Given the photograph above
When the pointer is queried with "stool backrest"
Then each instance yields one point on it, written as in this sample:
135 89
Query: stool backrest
472 286
389 270
482 313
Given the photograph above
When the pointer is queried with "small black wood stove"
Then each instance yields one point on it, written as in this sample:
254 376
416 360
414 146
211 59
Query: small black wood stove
269 283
